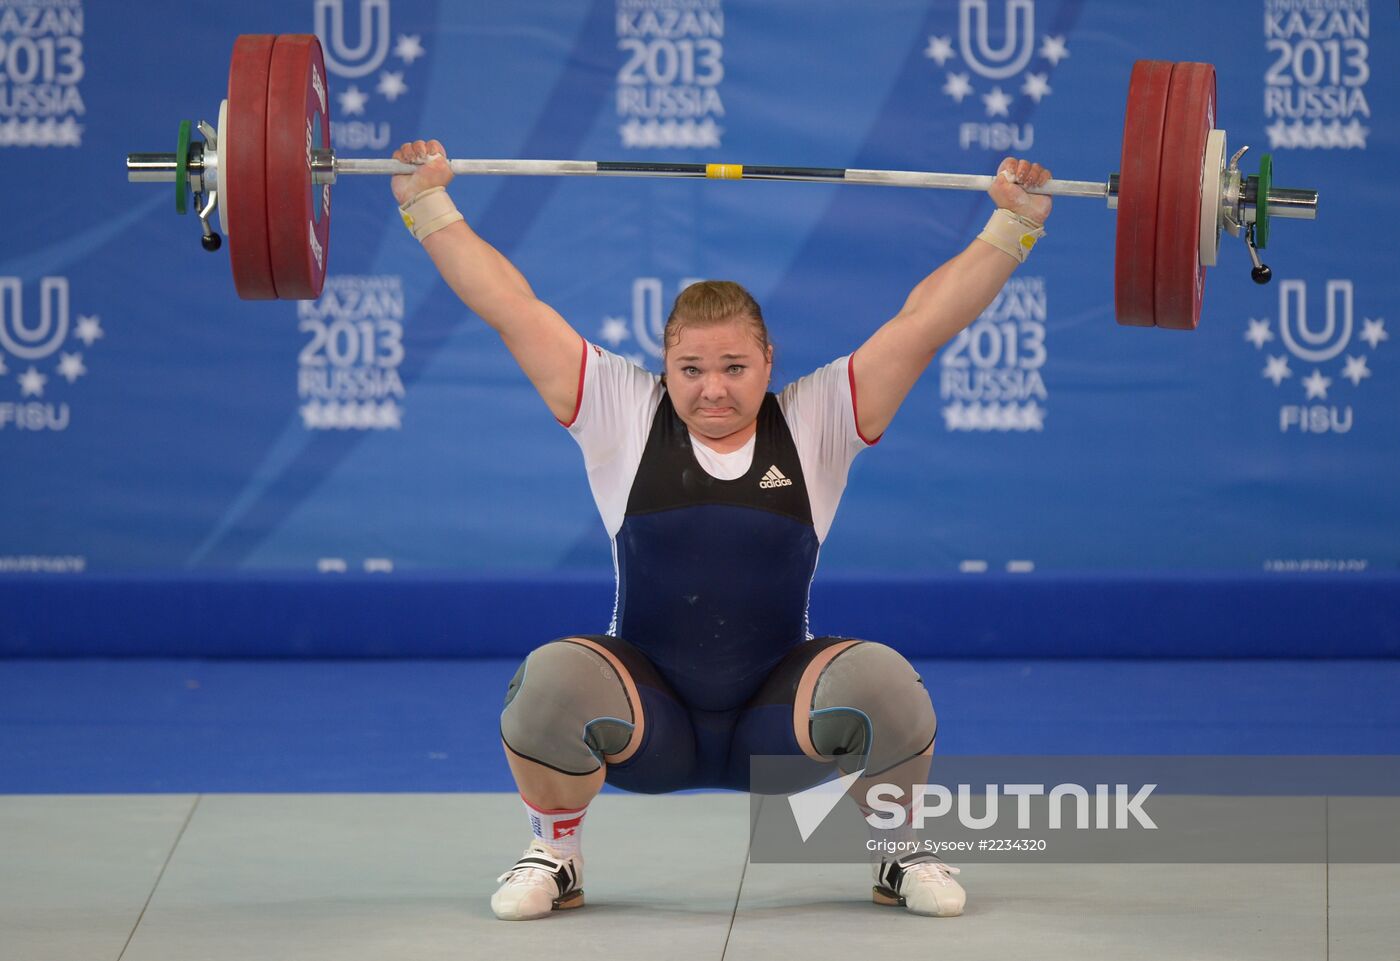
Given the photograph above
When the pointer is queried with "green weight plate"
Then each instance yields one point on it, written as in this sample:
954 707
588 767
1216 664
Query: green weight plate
1261 202
182 167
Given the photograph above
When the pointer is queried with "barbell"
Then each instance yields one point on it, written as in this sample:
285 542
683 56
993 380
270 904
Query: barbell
268 167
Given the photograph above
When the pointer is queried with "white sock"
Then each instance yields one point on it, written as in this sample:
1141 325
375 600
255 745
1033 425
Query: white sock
890 844
561 830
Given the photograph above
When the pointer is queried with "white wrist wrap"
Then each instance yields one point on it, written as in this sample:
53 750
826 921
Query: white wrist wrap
1012 233
429 212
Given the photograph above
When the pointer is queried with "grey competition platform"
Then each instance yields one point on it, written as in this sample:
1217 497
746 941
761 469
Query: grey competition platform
237 877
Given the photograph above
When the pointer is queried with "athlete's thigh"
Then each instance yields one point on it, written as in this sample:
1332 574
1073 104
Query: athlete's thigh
662 759
775 722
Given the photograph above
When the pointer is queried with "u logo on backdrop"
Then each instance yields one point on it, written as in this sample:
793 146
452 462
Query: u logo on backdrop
1313 338
642 338
996 62
33 343
1298 335
1017 44
368 54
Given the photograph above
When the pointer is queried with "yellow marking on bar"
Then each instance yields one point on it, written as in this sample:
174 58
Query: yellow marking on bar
724 171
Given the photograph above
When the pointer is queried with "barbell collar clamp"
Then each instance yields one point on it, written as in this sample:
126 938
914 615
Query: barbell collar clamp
1260 273
323 166
208 174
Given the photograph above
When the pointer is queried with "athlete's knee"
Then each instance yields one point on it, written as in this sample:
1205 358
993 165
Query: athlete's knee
566 708
870 709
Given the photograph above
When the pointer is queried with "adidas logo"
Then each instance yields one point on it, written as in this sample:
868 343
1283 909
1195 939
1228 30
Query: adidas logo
774 478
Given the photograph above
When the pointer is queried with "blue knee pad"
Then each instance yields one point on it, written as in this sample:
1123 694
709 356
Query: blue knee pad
870 710
566 708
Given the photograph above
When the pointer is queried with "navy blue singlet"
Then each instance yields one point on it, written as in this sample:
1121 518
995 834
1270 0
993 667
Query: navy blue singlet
714 575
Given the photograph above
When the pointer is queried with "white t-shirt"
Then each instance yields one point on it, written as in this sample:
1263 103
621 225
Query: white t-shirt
618 402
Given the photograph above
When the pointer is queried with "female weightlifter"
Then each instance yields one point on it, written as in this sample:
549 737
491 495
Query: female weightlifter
717 494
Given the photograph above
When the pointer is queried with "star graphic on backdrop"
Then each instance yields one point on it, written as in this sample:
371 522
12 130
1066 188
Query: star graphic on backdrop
996 102
391 85
939 50
1316 385
409 48
1033 416
390 415
1355 370
706 133
70 367
1000 417
957 86
1356 134
89 328
1259 333
310 414
352 101
614 331
1053 49
1036 86
1373 331
333 415
3 369
1326 136
1277 370
670 133
1315 133
31 383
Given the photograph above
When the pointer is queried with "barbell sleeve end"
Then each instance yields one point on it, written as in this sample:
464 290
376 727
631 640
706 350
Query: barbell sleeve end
150 168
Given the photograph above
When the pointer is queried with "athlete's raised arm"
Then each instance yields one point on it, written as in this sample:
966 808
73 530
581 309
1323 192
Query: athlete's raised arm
547 349
887 365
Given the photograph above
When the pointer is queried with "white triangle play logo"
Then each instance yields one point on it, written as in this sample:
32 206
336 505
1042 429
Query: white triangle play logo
810 807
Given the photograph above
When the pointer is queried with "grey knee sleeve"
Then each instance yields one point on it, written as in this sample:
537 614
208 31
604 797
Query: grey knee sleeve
565 708
870 709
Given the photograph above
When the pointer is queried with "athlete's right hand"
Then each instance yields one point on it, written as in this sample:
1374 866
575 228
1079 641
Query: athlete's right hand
433 170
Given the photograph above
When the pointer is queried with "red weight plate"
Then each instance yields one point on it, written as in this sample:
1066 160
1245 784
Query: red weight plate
1135 251
298 121
245 181
1181 279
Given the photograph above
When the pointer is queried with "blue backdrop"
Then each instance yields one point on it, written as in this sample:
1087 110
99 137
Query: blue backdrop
370 473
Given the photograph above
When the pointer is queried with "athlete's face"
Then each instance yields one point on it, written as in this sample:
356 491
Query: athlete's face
717 377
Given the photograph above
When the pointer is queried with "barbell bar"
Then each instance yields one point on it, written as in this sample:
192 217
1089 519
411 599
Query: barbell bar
268 167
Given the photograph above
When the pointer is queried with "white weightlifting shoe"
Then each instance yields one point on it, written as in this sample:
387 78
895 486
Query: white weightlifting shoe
540 882
920 882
